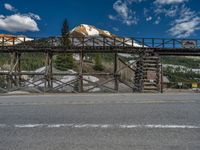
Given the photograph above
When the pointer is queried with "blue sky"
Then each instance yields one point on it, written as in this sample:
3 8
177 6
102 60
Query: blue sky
130 18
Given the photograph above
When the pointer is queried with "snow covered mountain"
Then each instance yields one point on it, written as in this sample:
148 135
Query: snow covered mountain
8 40
89 30
97 36
92 36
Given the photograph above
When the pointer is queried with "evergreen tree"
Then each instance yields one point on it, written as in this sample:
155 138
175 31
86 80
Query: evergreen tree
98 63
64 62
65 34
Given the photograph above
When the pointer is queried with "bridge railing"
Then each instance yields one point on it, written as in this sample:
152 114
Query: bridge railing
99 42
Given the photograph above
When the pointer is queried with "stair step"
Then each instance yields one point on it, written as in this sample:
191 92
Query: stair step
149 84
150 91
150 61
151 69
150 65
151 57
150 88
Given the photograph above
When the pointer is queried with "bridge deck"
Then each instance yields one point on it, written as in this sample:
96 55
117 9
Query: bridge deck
183 47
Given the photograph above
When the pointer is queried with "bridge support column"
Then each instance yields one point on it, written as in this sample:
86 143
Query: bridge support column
161 78
48 73
15 70
81 73
116 86
19 69
139 74
158 73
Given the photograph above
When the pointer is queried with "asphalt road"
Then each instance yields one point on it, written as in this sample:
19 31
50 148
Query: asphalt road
100 122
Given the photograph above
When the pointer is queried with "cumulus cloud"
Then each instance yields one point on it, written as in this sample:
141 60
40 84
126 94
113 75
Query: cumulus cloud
18 22
163 2
2 16
186 24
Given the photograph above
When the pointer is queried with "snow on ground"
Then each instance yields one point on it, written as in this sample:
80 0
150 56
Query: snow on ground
40 70
196 71
18 92
181 68
65 79
125 55
76 57
90 78
68 78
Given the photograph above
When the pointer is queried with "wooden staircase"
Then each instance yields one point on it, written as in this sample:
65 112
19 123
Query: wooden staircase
147 75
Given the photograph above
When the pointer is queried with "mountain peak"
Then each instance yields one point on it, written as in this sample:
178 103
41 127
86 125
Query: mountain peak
90 30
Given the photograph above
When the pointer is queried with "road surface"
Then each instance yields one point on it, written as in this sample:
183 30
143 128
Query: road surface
100 122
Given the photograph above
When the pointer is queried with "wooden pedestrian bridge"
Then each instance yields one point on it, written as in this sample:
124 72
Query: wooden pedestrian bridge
146 69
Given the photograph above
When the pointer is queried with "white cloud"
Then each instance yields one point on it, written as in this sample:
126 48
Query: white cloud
124 13
9 7
172 11
149 18
163 2
182 21
121 8
111 17
2 16
146 11
134 1
116 29
185 29
187 23
34 16
158 20
18 23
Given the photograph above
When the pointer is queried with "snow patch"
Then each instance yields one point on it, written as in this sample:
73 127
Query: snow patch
90 30
39 70
107 33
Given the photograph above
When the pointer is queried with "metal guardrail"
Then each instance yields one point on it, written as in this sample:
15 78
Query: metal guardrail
50 42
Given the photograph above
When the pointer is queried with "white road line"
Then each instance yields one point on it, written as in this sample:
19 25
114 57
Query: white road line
2 125
102 126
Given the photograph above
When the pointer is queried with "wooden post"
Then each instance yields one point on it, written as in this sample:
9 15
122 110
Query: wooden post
81 73
46 71
15 66
116 86
158 79
19 69
51 70
161 86
12 63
